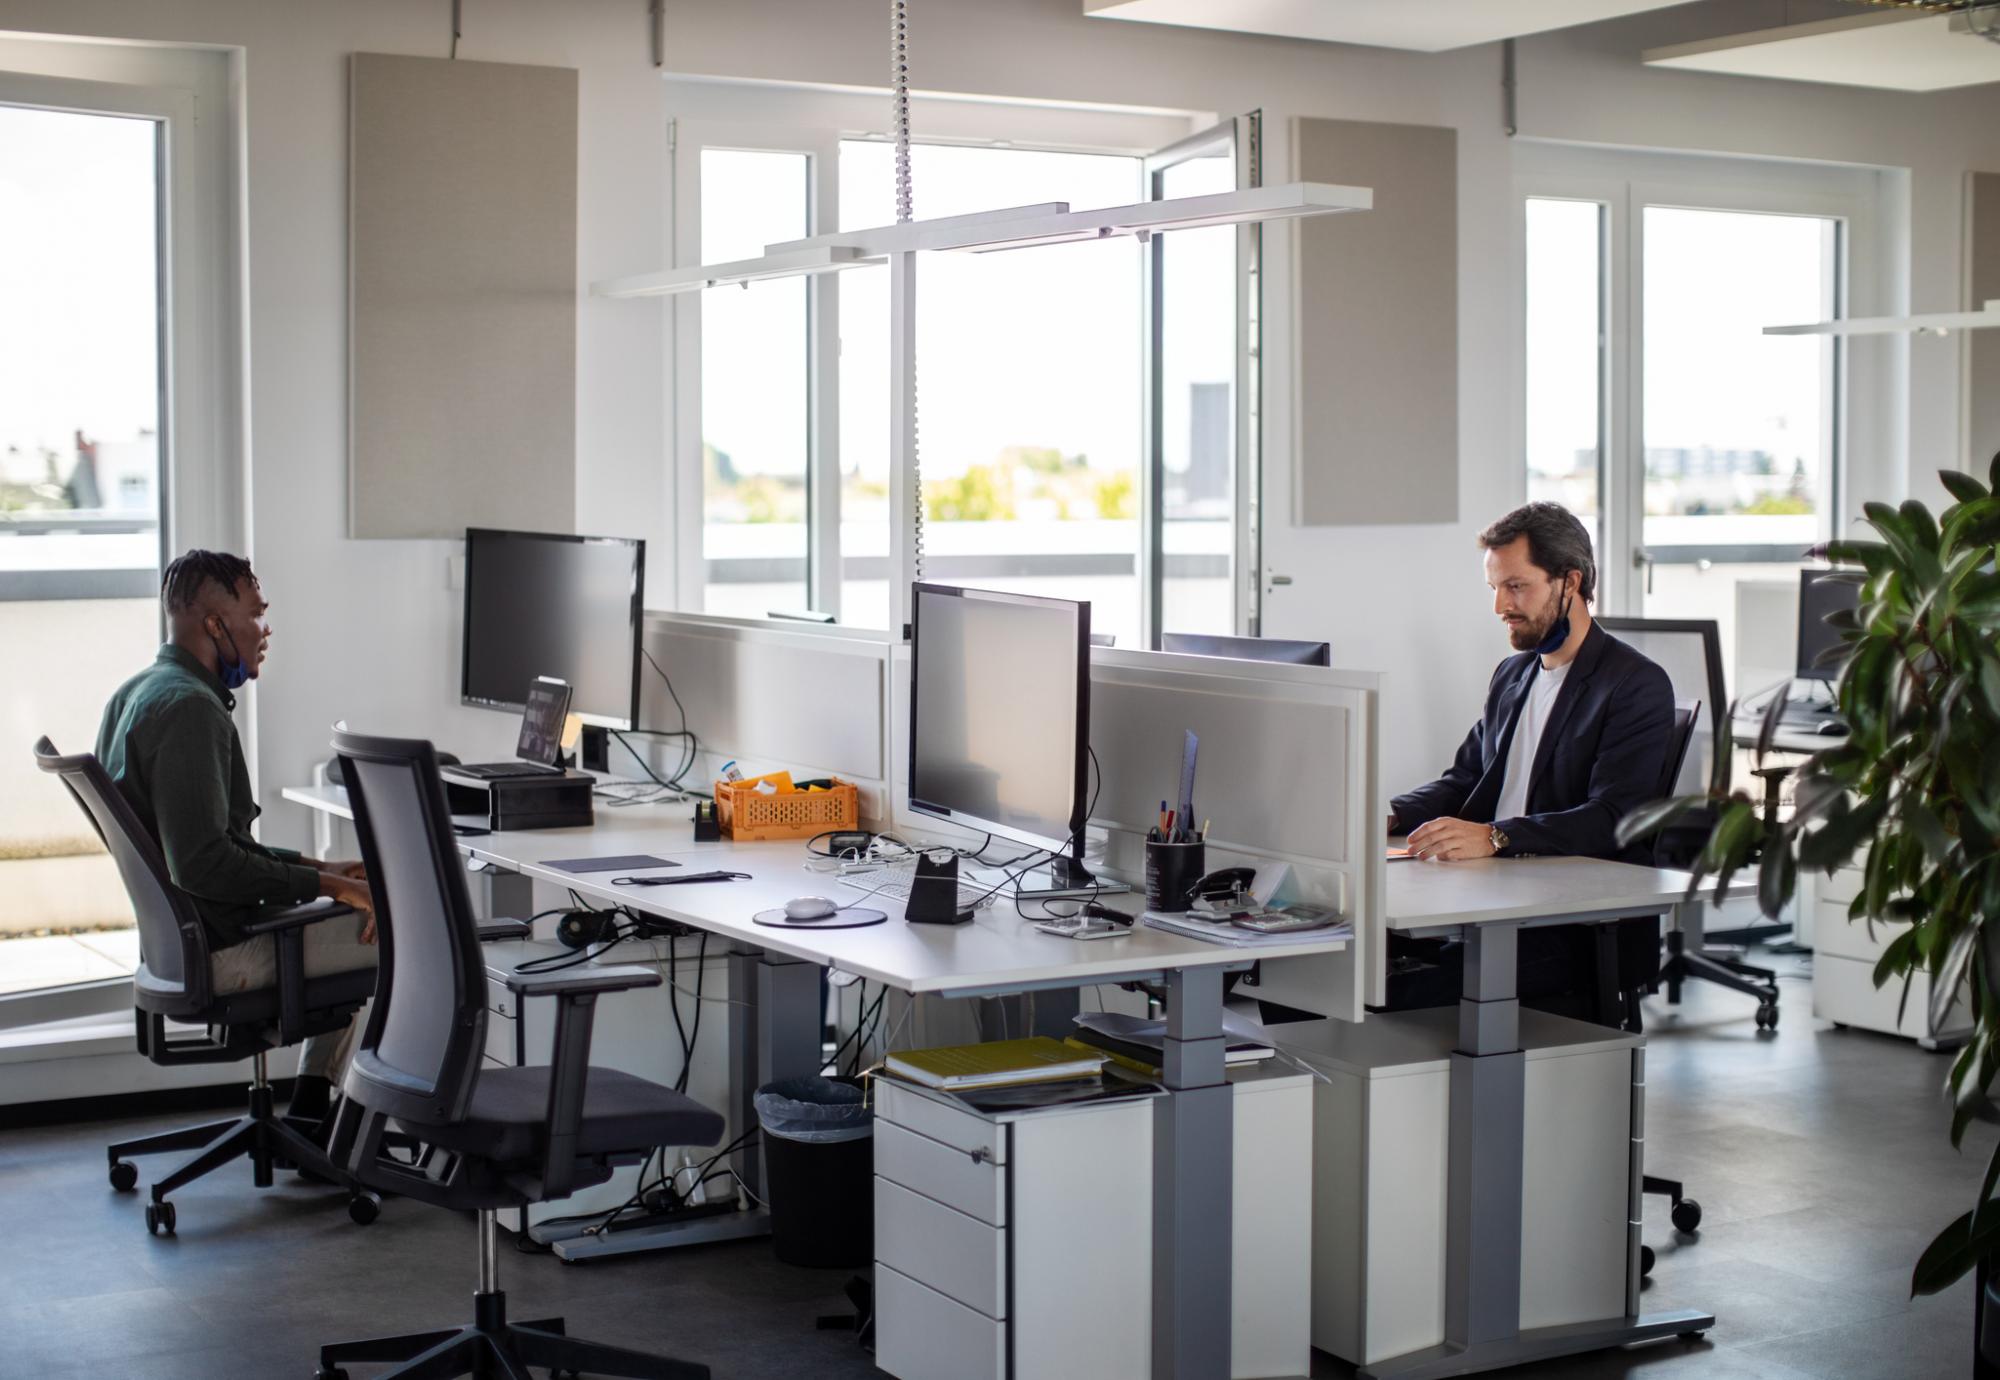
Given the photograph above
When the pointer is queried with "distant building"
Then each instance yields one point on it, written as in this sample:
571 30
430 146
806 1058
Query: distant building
1211 420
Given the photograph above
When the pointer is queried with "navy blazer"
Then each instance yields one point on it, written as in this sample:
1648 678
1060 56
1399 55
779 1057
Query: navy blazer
1600 758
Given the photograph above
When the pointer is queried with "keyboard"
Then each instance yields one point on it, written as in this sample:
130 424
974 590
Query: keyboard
894 885
500 771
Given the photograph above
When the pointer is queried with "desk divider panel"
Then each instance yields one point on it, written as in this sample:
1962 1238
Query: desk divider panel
771 698
1287 772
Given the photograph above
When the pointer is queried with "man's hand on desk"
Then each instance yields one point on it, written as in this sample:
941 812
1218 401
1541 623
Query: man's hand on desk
357 870
351 891
1451 840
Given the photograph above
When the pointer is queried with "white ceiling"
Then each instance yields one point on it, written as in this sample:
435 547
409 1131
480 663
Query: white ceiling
1893 50
1428 26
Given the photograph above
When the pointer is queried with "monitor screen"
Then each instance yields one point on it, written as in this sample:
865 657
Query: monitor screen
1000 711
542 721
1249 648
1818 597
540 604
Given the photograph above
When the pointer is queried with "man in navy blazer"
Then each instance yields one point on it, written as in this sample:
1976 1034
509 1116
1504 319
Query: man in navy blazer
1577 724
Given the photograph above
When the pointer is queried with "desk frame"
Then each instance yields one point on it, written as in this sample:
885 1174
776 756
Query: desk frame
1483 1194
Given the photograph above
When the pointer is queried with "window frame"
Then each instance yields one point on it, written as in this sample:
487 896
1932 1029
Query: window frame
815 123
1624 184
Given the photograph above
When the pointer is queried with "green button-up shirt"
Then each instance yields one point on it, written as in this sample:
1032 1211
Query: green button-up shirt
168 741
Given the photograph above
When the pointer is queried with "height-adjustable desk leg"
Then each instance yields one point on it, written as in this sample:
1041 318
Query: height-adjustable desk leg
1483 1195
1192 1178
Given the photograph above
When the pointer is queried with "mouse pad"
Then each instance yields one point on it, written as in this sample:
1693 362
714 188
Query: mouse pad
625 862
840 920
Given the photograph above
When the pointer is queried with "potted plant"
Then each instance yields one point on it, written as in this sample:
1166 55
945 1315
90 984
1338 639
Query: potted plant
1913 791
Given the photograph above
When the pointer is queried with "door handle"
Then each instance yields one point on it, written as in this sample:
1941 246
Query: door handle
1277 580
1642 559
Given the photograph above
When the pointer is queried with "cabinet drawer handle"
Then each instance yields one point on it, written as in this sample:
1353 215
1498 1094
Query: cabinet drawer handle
983 1155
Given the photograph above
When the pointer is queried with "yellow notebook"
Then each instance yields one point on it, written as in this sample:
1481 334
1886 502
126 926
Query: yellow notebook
995 1064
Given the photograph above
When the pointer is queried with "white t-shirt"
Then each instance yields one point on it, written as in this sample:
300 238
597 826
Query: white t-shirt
1541 701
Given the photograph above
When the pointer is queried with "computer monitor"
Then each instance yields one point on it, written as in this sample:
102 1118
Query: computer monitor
1000 717
1818 597
545 604
1249 648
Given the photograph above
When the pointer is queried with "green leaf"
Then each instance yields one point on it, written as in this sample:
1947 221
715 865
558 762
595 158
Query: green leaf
1993 472
1945 977
1777 877
1957 1249
1650 818
1897 958
1929 830
1962 486
1919 523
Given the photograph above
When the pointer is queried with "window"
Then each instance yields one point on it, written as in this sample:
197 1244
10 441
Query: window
1705 454
1028 386
1564 352
755 377
80 499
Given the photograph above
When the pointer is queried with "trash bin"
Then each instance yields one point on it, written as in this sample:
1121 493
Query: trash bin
819 1166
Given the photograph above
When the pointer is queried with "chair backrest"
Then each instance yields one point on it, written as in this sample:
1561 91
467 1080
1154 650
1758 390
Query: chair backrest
1687 714
1676 845
172 978
1689 650
418 1060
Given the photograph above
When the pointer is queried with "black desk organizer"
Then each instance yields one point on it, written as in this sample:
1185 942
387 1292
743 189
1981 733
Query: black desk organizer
934 893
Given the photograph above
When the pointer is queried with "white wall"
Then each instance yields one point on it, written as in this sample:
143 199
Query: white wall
367 630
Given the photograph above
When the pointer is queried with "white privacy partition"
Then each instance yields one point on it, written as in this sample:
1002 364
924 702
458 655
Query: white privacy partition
770 697
1287 772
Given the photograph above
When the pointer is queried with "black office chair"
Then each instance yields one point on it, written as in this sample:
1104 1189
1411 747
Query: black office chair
501 1137
172 983
1690 651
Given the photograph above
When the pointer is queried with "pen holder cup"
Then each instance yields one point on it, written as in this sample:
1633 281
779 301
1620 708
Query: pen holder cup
1172 869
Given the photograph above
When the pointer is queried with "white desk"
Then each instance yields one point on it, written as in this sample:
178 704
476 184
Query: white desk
776 973
1488 902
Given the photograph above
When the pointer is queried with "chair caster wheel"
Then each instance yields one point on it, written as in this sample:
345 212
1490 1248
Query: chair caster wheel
160 1218
1646 1258
363 1208
330 1373
1687 1215
1767 1016
124 1175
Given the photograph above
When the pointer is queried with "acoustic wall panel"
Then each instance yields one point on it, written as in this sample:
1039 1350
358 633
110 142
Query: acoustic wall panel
461 297
1377 332
1982 348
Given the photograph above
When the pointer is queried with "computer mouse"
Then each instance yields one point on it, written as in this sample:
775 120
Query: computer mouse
1831 728
809 908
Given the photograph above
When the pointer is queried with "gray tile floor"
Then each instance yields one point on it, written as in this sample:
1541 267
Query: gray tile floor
1819 1156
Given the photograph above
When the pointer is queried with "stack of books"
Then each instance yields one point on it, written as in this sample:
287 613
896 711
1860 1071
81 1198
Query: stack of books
1138 1045
997 1064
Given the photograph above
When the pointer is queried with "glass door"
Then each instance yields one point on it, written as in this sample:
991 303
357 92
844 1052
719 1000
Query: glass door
1200 414
82 379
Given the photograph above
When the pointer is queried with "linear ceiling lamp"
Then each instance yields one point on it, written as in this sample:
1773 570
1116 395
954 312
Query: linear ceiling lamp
1935 323
795 263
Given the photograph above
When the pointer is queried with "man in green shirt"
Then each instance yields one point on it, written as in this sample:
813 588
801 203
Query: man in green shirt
169 743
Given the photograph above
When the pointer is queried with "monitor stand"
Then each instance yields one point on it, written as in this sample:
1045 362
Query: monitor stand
1065 878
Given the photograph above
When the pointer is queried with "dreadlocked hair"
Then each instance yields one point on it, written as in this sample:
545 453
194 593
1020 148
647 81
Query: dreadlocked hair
181 581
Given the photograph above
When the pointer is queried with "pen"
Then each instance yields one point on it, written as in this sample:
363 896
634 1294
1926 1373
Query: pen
1204 830
1170 826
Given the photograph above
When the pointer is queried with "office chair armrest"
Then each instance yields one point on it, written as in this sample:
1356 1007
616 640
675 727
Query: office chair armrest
287 930
582 981
297 917
490 930
576 996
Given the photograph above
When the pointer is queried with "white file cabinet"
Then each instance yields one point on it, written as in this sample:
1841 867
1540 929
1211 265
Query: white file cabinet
633 1032
1844 956
1382 1148
1021 1243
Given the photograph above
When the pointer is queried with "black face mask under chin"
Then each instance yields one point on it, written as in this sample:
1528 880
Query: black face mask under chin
1558 632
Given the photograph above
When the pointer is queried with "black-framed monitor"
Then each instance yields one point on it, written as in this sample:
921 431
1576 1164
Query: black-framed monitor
1820 596
1249 648
1000 718
548 604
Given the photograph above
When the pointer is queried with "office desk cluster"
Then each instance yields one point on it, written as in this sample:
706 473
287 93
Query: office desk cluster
775 1031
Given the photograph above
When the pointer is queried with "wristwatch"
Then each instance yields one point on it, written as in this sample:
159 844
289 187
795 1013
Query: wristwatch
1496 838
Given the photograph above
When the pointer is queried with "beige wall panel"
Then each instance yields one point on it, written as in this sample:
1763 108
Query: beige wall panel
462 297
1378 328
1982 348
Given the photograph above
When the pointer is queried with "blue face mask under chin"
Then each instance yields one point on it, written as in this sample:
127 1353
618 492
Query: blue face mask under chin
234 672
1558 632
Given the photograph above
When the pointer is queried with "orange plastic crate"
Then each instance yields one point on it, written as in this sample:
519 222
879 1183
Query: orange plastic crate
748 816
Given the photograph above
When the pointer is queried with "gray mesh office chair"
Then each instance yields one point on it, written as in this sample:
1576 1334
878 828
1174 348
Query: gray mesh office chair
500 1137
172 983
1690 651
